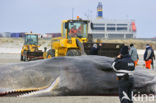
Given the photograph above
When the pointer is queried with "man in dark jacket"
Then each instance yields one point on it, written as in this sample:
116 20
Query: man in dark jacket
124 66
94 50
148 55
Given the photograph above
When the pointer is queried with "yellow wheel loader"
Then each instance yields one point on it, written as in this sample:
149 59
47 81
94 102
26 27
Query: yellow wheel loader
74 33
75 41
30 49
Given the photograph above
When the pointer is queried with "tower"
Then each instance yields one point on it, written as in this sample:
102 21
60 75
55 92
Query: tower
99 10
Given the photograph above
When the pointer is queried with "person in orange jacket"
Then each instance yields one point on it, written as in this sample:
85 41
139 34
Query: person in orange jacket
148 56
73 31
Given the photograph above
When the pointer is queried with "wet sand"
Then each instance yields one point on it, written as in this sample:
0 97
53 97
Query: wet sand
68 99
9 58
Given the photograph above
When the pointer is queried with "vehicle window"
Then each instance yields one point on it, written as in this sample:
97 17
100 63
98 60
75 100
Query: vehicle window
64 30
31 39
77 29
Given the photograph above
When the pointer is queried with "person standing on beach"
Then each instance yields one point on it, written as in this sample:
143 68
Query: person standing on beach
133 53
94 50
148 55
124 66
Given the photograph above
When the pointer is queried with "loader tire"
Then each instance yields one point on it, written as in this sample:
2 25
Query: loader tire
25 58
50 53
21 58
73 52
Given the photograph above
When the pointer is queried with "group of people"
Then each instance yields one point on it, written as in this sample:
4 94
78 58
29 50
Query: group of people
124 65
132 52
149 55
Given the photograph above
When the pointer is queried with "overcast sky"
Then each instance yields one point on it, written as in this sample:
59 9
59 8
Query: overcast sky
43 16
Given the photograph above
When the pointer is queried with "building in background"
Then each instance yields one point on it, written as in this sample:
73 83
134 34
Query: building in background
17 35
12 34
5 34
111 29
51 35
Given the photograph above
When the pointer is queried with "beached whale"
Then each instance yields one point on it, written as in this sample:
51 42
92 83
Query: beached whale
79 75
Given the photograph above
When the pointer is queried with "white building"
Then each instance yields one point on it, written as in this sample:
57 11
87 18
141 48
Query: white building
102 28
111 29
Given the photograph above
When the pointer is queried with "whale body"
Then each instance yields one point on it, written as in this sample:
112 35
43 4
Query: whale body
78 75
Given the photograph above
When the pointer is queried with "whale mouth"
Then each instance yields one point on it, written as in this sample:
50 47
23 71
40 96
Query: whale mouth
30 92
17 92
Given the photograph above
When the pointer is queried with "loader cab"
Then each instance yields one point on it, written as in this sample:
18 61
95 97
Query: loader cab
31 39
30 49
75 29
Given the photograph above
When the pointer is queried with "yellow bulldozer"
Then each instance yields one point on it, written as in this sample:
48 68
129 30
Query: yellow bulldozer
75 41
30 49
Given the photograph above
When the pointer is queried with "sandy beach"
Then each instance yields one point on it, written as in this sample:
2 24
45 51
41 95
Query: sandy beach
11 54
